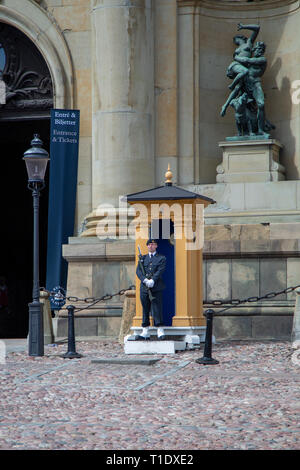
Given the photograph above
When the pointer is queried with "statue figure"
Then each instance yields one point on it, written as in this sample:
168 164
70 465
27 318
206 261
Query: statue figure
237 70
242 114
246 116
247 96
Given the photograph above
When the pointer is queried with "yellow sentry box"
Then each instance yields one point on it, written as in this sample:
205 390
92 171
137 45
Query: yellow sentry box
186 211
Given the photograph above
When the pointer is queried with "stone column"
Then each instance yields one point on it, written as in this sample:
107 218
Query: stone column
188 92
166 89
123 99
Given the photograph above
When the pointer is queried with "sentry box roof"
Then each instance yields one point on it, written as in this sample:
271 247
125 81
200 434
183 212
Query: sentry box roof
166 192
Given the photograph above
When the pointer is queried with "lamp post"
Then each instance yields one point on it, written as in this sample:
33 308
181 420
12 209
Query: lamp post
36 159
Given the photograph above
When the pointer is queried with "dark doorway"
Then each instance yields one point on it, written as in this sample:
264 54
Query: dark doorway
26 99
16 226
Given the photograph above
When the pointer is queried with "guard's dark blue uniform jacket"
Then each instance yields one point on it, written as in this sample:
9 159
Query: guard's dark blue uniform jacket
154 268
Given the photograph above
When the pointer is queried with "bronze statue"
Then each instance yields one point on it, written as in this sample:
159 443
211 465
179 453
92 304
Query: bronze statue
247 96
242 115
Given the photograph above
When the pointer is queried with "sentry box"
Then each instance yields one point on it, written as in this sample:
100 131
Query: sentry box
175 217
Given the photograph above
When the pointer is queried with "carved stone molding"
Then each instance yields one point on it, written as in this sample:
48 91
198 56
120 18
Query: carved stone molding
24 72
236 4
188 3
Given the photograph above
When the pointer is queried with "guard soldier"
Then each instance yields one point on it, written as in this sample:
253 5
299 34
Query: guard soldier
154 266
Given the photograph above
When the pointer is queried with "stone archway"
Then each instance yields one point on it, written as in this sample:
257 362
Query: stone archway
35 23
26 85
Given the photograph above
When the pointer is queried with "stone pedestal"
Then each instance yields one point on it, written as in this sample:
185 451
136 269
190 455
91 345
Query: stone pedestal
127 314
153 347
47 318
177 339
250 161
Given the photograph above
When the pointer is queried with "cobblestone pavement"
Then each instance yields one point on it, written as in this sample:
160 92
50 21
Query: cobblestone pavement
250 400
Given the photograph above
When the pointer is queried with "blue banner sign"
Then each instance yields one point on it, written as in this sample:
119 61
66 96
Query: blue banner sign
64 142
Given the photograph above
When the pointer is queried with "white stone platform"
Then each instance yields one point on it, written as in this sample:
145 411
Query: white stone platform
153 347
177 339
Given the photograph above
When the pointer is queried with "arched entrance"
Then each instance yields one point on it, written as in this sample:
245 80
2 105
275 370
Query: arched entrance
25 110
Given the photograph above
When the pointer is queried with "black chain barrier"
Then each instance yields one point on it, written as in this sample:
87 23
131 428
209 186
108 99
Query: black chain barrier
206 359
95 300
235 302
217 303
72 353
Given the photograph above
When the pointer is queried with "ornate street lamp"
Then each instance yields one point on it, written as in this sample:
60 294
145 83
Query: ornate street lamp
36 159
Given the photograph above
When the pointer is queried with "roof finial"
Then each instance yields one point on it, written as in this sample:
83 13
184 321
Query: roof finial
169 176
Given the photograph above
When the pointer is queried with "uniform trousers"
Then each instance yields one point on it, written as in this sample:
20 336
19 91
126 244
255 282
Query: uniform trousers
155 307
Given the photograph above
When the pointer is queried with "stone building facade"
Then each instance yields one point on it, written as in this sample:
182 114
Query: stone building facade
149 78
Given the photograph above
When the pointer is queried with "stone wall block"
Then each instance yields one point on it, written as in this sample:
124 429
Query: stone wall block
245 278
284 246
127 274
296 318
86 327
225 246
72 17
218 279
109 327
106 281
285 231
232 327
80 279
255 246
217 232
264 327
273 276
293 275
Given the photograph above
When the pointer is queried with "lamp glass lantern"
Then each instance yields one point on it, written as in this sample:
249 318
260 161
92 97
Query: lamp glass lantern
36 160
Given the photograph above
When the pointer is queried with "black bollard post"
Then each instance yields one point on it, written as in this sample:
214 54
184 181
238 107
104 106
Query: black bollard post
71 353
207 359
